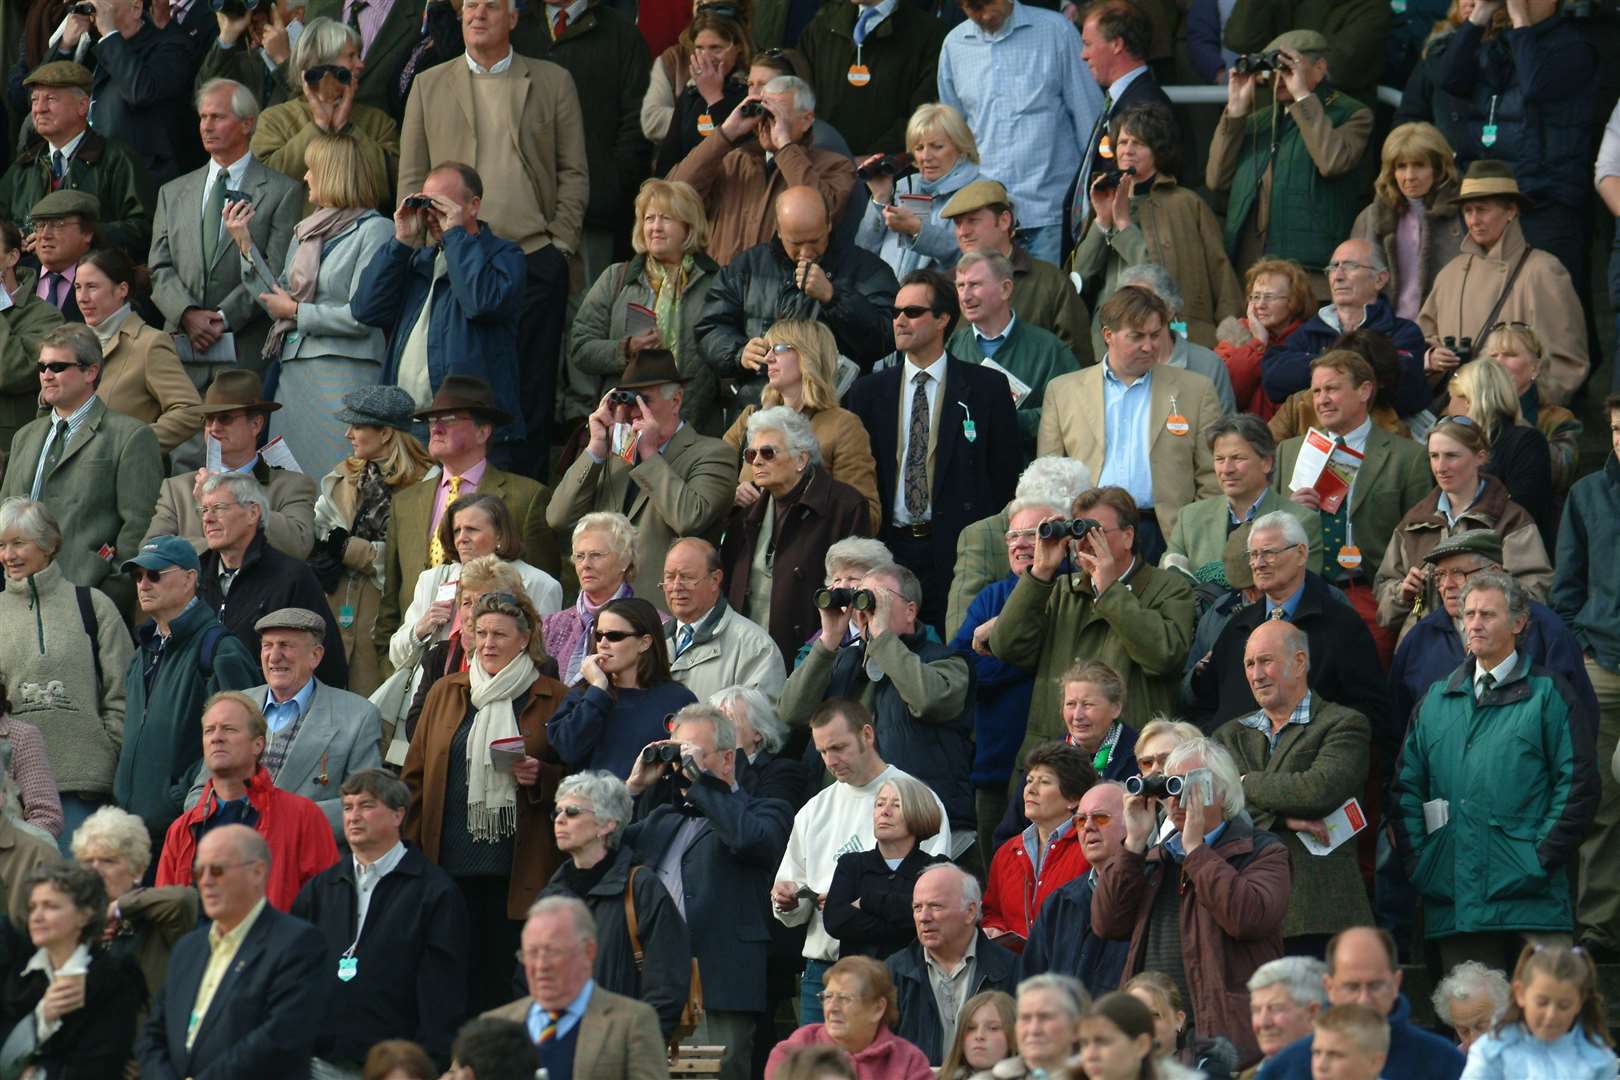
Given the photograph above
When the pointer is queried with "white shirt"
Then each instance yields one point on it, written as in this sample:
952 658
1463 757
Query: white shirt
233 176
67 149
936 381
367 877
499 67
1499 672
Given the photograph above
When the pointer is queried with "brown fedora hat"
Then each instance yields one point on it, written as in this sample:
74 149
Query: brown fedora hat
649 368
465 393
1492 180
233 389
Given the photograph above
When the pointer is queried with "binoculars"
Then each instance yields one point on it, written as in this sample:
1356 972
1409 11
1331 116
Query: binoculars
661 754
1157 786
1071 530
1261 63
754 108
314 75
887 165
1464 348
855 599
621 397
89 10
1111 178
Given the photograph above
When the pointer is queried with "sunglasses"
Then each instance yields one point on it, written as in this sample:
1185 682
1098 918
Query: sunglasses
766 454
314 75
615 636
568 812
151 577
910 311
55 367
1100 818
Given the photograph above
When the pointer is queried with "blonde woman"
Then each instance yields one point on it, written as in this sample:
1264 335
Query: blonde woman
322 351
801 372
902 225
1518 348
1484 392
1414 217
351 517
651 302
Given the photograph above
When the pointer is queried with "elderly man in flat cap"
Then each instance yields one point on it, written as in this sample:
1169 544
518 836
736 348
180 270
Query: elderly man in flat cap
317 735
64 153
1300 201
64 224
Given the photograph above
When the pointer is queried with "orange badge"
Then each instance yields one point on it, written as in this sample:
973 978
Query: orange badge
859 75
1350 557
1176 424
705 125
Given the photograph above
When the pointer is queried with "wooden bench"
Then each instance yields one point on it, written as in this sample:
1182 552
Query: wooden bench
697 1061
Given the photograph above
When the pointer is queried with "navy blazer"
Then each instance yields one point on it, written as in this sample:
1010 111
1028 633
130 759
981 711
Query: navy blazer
264 1018
727 875
973 477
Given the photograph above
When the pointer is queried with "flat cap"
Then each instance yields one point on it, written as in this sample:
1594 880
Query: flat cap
976 196
1301 41
1485 543
292 618
162 552
60 204
60 73
378 406
1235 558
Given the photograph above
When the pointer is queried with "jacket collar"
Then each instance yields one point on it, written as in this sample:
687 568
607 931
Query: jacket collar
184 625
259 789
91 147
707 627
414 864
1461 680
1507 250
1487 510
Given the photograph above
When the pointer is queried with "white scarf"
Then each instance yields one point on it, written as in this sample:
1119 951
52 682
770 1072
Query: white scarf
492 793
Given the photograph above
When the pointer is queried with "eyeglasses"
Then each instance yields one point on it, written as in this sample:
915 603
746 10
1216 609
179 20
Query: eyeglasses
1264 556
571 812
829 997
766 454
201 871
782 347
1446 577
150 576
55 367
54 225
1349 266
1016 535
446 419
1267 297
615 636
544 954
1100 818
681 580
219 509
1465 421
592 556
1510 326
911 311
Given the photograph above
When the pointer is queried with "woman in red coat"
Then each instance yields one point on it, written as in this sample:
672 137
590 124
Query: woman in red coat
1046 856
1280 300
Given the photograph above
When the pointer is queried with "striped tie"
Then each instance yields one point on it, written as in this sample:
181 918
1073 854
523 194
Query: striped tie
435 546
549 1032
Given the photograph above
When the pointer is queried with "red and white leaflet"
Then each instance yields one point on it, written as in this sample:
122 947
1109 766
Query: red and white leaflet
1328 469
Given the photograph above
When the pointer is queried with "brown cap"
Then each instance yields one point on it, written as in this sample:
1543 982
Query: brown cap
1235 558
233 389
1482 542
465 393
60 73
649 368
1301 41
976 196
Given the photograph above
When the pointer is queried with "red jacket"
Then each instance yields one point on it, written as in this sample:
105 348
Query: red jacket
298 833
1015 894
1243 366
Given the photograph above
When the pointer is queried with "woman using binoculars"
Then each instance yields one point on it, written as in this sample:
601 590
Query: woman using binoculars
902 225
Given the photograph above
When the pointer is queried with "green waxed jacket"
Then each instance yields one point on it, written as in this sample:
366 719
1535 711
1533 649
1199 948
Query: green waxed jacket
1518 768
22 327
1141 626
1034 356
103 167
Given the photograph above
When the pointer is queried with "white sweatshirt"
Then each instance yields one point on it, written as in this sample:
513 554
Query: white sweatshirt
834 823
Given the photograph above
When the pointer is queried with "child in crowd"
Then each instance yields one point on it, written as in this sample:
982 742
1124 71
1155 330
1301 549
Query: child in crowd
1554 1028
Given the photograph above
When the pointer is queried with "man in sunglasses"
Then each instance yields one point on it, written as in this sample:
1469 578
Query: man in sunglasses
1061 941
97 470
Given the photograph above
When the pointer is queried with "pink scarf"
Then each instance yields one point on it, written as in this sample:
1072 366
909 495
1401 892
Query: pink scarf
304 268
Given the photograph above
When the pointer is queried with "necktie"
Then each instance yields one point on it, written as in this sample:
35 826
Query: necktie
436 549
1487 683
355 9
213 213
683 640
1277 614
864 24
178 10
53 454
917 450
54 294
58 169
549 1032
559 23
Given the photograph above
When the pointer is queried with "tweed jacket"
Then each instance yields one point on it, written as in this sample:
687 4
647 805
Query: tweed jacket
22 327
141 377
1183 467
285 131
290 528
619 1038
981 558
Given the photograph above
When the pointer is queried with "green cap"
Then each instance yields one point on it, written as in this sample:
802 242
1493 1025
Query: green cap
976 196
1301 41
59 73
60 204
1482 542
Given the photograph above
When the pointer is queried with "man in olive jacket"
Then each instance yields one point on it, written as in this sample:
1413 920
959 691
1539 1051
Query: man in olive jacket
1136 618
1301 757
23 326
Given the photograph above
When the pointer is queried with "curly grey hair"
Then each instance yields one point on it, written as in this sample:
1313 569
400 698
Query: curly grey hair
247 490
762 715
34 520
609 798
1471 979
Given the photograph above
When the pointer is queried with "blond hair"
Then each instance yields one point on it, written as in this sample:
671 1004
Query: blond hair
680 201
402 463
1493 400
944 119
1420 142
338 175
818 362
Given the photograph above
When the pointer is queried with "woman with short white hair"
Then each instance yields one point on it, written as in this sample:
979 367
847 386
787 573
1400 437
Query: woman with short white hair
1470 1000
604 554
762 770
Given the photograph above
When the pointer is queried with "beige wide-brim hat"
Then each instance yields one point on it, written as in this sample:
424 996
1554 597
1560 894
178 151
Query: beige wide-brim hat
1493 180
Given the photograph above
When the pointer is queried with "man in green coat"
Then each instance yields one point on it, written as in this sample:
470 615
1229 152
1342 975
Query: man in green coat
183 657
1136 618
1497 785
1301 757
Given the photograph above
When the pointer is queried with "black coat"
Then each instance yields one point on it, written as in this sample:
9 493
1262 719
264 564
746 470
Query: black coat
920 1025
142 91
666 972
1522 460
93 1042
269 581
727 873
882 924
772 776
411 980
1061 942
1344 661
264 1023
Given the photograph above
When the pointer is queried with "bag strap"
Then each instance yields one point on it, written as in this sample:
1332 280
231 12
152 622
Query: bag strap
1507 286
630 916
87 615
210 642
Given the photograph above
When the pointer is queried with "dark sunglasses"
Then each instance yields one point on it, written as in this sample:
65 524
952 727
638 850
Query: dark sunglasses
314 75
150 576
614 636
911 311
55 367
568 812
766 454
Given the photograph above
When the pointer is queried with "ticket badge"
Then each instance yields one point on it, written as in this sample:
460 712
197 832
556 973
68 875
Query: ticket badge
705 125
859 75
346 616
1487 137
348 968
1350 557
1176 424
1105 146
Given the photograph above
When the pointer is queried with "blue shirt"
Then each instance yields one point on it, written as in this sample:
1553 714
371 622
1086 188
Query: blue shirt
989 345
1444 505
1259 721
1290 605
1029 101
1125 423
1173 843
279 715
571 1016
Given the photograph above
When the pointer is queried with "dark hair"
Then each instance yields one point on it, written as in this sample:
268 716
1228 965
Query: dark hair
1116 20
1381 355
10 235
644 620
1246 426
471 182
1154 126
1131 307
381 785
81 885
121 270
496 1050
1351 364
1566 964
402 1055
508 542
1611 404
945 301
728 27
1071 765
1116 497
5 697
854 713
1133 1019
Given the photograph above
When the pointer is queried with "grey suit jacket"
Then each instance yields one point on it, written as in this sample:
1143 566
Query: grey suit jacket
618 1038
341 735
182 280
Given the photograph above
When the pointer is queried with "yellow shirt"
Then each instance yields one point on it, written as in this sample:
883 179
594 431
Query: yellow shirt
221 951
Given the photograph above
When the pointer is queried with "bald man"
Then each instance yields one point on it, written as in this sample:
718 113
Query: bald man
244 995
712 645
801 274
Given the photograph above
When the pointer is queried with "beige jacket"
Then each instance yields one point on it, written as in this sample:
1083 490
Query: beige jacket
141 377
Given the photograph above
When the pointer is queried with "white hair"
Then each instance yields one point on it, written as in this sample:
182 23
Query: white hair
609 798
621 535
573 906
762 715
1068 990
247 490
1471 979
244 106
1301 976
1051 506
1155 279
1228 784
725 732
1055 478
861 551
1293 533
793 426
971 892
804 98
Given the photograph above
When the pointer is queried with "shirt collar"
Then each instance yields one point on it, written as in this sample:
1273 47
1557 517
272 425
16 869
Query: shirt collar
1444 504
1146 379
970 953
575 1009
384 866
77 963
78 415
1017 18
71 145
1012 317
233 171
247 466
1178 852
301 698
474 475
1289 605
1500 672
1117 88
883 9
1248 514
499 67
1357 439
936 370
233 937
1259 721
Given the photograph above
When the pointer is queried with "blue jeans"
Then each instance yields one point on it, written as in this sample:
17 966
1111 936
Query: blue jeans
75 808
810 986
1042 241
